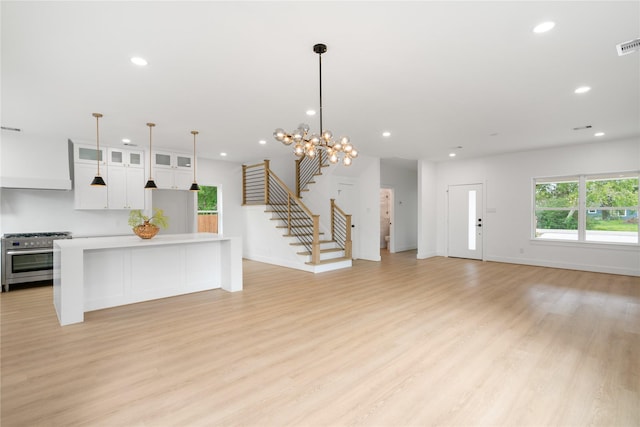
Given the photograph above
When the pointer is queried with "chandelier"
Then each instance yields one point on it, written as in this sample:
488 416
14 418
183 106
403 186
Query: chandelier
311 145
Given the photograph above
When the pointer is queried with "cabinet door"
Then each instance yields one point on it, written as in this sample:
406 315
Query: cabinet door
88 154
86 196
116 157
182 179
162 160
117 187
135 159
135 188
183 162
163 178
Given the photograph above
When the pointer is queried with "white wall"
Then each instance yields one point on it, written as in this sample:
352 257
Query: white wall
507 181
404 181
427 212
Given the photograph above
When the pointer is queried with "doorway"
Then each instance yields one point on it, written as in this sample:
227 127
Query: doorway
386 219
465 221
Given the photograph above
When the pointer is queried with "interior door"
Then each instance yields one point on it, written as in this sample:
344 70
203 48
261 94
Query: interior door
465 225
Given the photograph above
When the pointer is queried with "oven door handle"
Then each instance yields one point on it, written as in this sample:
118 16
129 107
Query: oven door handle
31 251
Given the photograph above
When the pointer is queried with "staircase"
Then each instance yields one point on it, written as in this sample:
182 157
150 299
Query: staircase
296 224
307 168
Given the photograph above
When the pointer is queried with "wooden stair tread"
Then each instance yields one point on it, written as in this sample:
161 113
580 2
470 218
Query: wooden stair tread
322 251
300 234
302 244
330 261
293 218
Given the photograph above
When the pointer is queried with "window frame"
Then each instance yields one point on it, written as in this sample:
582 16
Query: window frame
582 207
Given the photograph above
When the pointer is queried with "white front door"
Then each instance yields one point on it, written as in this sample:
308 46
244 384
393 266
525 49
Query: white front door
465 221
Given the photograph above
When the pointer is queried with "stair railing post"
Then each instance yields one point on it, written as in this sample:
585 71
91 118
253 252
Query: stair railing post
244 184
266 182
315 246
298 161
347 244
320 162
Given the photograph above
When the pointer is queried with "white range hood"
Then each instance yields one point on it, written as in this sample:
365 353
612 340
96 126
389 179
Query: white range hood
30 162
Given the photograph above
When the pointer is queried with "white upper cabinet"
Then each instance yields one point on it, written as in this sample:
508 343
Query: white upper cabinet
127 158
86 160
172 171
89 154
123 171
85 195
126 179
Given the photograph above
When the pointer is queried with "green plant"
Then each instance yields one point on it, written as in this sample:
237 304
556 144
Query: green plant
136 218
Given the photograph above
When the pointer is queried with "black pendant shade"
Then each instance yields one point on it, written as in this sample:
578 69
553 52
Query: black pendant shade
98 181
151 185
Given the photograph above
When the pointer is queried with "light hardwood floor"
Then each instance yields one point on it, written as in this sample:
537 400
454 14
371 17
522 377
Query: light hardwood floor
440 341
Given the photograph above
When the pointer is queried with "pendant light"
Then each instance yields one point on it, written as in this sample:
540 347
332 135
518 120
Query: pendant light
310 145
194 186
150 184
98 181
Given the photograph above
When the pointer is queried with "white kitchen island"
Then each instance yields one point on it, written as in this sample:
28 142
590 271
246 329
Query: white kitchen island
96 273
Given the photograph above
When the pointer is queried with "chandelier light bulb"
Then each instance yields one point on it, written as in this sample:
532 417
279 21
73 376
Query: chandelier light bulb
333 158
354 153
279 134
346 161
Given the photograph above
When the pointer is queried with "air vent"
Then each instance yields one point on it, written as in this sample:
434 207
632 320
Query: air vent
583 127
11 129
628 47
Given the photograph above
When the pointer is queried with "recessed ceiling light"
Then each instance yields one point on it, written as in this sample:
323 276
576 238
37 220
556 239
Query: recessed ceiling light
582 89
386 134
139 61
262 142
311 112
452 154
126 140
544 27
223 154
598 134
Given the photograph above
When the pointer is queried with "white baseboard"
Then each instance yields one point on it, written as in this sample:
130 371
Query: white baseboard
565 265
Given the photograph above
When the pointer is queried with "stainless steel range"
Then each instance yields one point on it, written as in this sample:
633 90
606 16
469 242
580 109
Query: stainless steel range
28 257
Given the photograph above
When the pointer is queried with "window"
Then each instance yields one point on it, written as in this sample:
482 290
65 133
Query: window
587 208
208 209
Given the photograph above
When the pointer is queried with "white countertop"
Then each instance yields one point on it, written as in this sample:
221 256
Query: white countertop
135 241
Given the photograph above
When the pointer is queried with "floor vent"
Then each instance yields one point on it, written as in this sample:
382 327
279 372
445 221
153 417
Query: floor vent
628 47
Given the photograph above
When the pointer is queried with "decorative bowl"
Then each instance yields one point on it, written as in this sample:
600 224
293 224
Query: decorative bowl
146 231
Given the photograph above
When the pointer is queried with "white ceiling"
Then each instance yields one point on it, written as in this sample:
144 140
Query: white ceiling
437 75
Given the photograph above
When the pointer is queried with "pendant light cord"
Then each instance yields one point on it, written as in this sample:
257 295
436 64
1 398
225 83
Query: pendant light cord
150 127
320 68
98 142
